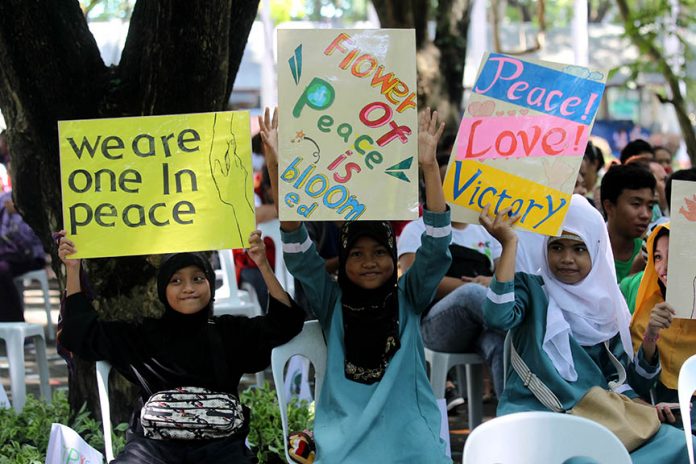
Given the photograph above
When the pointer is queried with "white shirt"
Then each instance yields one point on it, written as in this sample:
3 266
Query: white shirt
472 236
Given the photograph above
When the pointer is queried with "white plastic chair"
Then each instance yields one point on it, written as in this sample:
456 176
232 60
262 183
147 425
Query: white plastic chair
103 368
271 229
41 276
14 334
542 437
228 298
686 386
441 363
310 344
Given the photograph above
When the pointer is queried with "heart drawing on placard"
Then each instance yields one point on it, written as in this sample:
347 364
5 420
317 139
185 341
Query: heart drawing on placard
480 109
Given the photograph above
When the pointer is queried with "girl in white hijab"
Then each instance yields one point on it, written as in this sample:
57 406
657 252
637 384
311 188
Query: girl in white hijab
590 310
569 325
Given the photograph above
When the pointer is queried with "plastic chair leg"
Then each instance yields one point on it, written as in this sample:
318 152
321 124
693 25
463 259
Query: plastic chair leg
47 306
42 362
438 377
474 387
15 354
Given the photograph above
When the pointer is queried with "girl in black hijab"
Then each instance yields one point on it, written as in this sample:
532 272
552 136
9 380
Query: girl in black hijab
376 403
187 348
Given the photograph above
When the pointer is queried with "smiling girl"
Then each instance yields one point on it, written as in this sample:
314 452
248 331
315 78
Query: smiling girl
376 404
568 325
187 348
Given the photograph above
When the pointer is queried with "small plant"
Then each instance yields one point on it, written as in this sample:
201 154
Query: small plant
265 429
24 437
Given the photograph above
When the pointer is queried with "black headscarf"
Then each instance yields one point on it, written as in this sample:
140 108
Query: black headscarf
370 316
172 263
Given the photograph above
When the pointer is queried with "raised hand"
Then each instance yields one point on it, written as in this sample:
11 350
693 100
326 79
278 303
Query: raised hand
257 249
429 133
66 248
660 318
500 226
269 136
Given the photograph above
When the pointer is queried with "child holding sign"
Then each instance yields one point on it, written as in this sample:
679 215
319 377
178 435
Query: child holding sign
186 352
376 403
570 343
662 339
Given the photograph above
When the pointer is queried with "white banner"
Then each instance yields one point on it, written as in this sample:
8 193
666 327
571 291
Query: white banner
65 446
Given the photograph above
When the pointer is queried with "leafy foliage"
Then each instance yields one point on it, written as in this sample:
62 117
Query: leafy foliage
24 437
266 431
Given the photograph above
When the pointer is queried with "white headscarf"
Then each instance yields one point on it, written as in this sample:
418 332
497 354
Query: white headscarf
593 310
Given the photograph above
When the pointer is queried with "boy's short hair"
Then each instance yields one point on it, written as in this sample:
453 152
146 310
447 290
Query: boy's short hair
684 174
635 148
622 177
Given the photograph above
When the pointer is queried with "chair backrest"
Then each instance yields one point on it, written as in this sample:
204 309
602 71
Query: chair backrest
310 344
543 437
229 299
271 229
226 273
686 386
103 369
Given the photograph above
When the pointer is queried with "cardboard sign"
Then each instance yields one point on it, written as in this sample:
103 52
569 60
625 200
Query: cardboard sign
157 184
521 141
681 271
348 130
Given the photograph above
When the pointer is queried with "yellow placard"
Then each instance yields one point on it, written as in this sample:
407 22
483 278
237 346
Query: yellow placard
348 133
474 185
157 184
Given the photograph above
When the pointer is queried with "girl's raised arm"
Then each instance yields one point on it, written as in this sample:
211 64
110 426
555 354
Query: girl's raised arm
428 136
257 252
269 136
501 229
72 266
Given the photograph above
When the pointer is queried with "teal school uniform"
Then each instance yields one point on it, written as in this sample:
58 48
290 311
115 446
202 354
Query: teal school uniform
395 420
520 307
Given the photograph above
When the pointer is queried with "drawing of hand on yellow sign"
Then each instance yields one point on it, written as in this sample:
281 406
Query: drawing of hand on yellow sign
228 171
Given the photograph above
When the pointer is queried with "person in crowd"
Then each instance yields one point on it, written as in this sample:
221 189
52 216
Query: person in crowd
629 286
664 156
257 159
663 340
627 194
454 323
376 403
660 206
592 163
638 148
186 348
682 174
20 251
568 325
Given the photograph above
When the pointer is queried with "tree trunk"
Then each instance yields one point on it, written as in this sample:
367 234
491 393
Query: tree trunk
440 61
647 46
179 57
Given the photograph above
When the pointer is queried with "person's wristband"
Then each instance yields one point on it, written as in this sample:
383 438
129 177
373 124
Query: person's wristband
650 338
